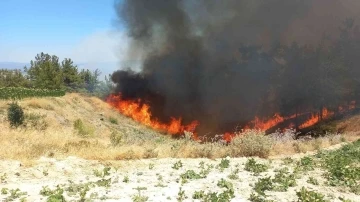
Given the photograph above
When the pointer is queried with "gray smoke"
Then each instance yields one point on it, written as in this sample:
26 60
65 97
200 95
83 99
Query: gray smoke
216 61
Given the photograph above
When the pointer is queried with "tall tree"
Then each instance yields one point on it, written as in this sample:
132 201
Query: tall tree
45 72
71 76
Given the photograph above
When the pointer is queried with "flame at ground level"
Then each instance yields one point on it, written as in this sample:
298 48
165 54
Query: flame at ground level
141 113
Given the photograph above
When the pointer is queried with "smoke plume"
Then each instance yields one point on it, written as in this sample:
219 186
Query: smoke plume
225 62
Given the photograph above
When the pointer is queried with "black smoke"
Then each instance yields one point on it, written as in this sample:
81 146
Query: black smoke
225 62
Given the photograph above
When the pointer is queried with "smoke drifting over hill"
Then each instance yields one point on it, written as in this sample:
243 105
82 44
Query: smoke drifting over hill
225 62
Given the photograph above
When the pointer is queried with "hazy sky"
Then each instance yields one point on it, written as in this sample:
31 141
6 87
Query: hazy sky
79 29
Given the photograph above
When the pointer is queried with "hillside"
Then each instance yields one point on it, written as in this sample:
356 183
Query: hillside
78 148
50 129
104 134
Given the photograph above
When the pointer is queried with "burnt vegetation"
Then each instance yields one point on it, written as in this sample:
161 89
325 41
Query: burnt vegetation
225 63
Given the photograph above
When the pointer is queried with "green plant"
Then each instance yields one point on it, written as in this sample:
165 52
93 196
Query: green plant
3 178
4 191
234 174
313 181
288 160
15 114
113 120
225 184
83 129
224 163
35 121
151 166
45 172
305 164
102 173
283 180
342 166
224 196
263 184
55 195
205 171
189 175
305 195
103 182
181 195
258 198
21 93
115 138
177 165
198 194
81 189
14 194
254 167
126 179
138 197
344 200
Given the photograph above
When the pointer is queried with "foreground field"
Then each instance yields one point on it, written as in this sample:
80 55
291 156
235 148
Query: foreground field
302 178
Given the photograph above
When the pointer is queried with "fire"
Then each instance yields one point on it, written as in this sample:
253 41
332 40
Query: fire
228 136
315 118
266 124
141 113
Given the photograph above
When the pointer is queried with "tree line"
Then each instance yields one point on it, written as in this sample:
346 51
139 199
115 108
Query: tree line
47 72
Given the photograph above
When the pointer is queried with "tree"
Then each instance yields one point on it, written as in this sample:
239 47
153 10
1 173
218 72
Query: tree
12 78
70 73
45 72
90 79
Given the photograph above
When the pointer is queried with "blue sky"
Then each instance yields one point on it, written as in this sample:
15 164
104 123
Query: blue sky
79 29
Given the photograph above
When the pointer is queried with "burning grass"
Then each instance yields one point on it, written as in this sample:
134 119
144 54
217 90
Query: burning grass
127 139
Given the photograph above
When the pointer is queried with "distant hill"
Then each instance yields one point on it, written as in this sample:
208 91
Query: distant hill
13 65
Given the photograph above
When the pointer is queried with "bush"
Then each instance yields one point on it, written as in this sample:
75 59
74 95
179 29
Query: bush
15 115
113 120
82 129
20 93
305 195
251 143
115 138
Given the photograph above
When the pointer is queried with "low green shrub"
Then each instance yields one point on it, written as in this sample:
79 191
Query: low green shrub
305 195
83 129
15 115
21 93
254 167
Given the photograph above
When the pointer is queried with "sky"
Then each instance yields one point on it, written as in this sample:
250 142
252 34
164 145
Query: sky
82 30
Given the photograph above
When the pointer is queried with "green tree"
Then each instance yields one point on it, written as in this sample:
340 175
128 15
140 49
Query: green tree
90 79
45 72
70 72
12 78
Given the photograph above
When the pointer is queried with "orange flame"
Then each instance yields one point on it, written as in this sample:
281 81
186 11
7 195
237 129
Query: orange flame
228 136
315 118
141 113
264 125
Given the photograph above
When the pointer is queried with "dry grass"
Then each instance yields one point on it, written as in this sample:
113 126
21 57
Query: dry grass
125 140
